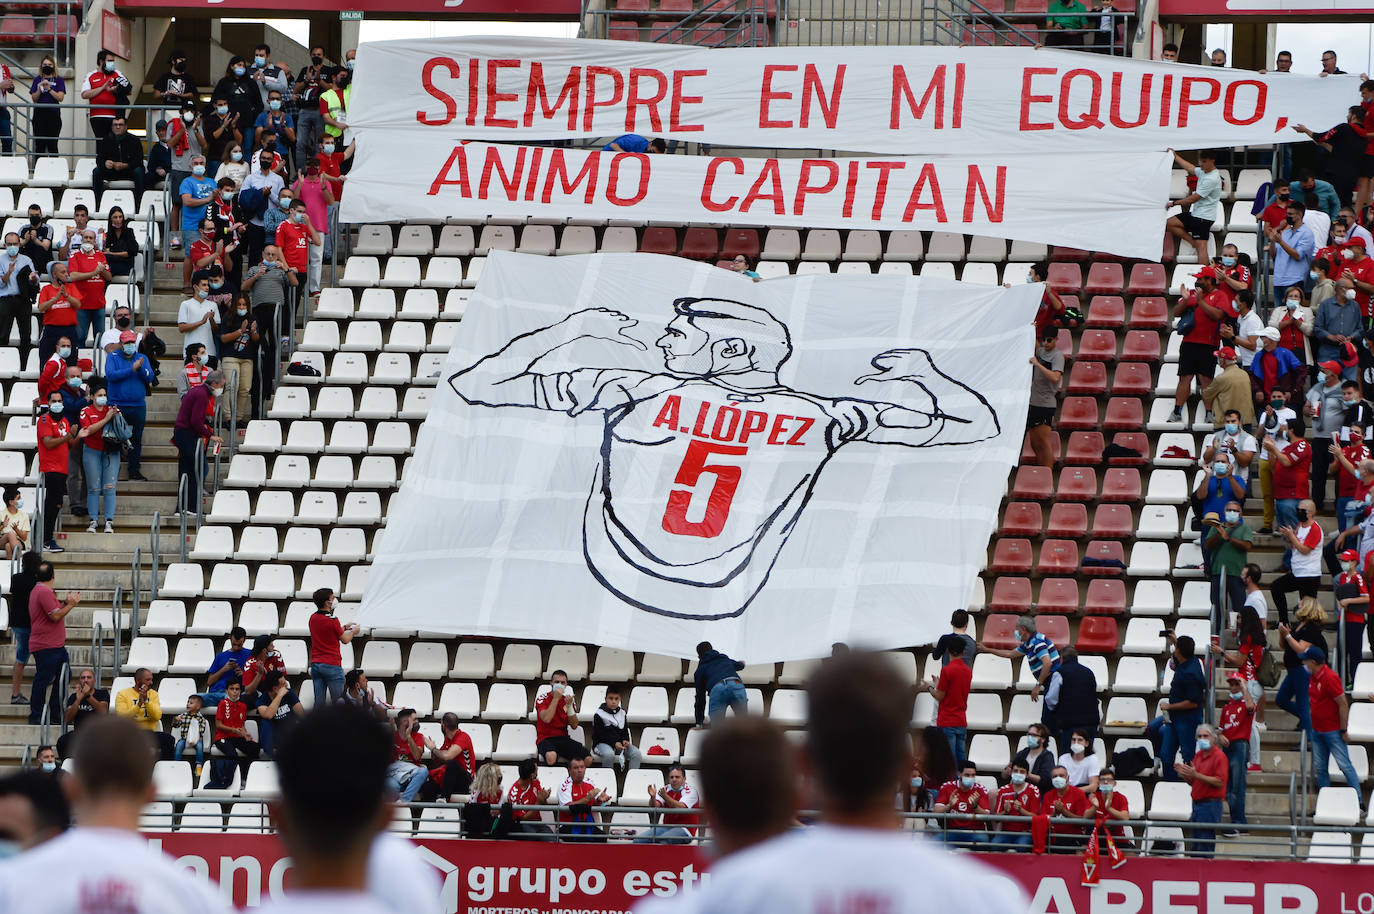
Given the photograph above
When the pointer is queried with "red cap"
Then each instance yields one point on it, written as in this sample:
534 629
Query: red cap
1354 243
1209 272
1349 555
1332 368
128 336
1225 352
1351 357
1234 674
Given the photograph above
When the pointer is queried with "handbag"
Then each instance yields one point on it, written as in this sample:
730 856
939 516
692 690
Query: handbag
1269 671
118 434
1186 322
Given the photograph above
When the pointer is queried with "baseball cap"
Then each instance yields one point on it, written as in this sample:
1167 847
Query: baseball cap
1331 367
261 641
1234 675
1349 555
1354 243
127 336
1208 272
1225 352
1352 357
1271 333
1314 653
160 125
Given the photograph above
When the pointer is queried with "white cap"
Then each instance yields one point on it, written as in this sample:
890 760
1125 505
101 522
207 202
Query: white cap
1270 333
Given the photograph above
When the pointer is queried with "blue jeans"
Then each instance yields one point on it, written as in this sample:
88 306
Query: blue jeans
961 837
327 678
1204 840
728 693
1178 735
1239 755
137 417
1286 514
957 737
47 668
102 475
406 779
1292 697
181 747
1011 839
212 698
86 320
667 834
1327 745
6 131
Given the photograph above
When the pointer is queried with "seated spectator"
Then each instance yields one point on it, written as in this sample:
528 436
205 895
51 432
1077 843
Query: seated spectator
951 692
1018 798
555 713
141 704
71 243
14 527
1036 757
121 247
676 827
1080 763
526 791
232 739
1237 723
1065 23
1112 804
99 461
84 701
190 728
45 760
356 692
1207 776
458 762
278 711
262 659
578 798
407 775
206 251
118 157
479 819
611 734
958 621
227 667
741 264
35 808
159 158
1235 441
964 798
1064 801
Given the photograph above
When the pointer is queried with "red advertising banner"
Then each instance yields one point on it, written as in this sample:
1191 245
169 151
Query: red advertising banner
383 9
483 876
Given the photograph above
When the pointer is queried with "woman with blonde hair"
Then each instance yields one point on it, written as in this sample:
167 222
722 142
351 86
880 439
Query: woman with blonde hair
485 815
1292 697
486 788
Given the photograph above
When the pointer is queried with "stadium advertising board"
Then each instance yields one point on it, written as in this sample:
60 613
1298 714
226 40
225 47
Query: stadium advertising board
1038 198
643 452
485 877
889 100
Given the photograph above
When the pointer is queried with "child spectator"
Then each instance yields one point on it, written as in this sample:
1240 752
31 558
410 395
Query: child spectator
231 738
190 729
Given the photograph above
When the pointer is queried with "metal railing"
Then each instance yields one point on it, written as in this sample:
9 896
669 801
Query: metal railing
137 591
54 30
117 604
713 24
157 549
64 677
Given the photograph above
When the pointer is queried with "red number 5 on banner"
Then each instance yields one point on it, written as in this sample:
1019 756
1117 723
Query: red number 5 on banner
722 493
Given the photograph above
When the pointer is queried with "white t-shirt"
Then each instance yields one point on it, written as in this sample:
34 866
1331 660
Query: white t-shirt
111 337
1257 602
1286 415
1249 326
325 903
400 878
1310 565
1240 443
833 868
1080 772
104 869
1320 225
1209 190
192 310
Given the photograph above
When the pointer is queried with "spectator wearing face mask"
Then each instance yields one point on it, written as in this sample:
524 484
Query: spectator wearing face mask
238 341
221 127
230 224
205 252
159 158
334 105
312 190
191 428
1354 229
1358 267
1291 249
55 433
964 798
1197 353
18 282
128 374
1323 286
1325 412
1220 485
1080 763
269 77
177 86
57 303
36 239
1302 558
81 222
241 93
1291 326
47 93
334 159
1244 336
100 461
268 282
310 82
1274 420
186 142
1235 275
107 91
1276 370
1331 253
299 240
1232 440
121 247
232 166
1338 322
195 192
1229 390
326 658
75 398
1342 151
198 319
1347 455
1228 545
258 201
1064 801
1036 756
1352 603
274 122
89 271
1018 798
195 370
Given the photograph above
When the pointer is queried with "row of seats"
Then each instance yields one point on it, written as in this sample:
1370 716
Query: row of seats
307 436
273 581
366 336
331 471
294 401
336 303
265 544
314 506
16 29
357 369
14 203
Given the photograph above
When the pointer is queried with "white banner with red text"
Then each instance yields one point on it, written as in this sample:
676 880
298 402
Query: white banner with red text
485 877
643 452
1109 202
891 100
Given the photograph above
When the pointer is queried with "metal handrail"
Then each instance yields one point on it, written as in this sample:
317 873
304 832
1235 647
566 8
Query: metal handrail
64 676
183 508
40 492
200 483
97 649
1292 811
137 575
1302 772
117 604
157 548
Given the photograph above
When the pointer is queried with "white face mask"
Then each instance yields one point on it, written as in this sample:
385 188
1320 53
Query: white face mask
87 247
1350 294
1106 788
1018 778
1078 748
1060 782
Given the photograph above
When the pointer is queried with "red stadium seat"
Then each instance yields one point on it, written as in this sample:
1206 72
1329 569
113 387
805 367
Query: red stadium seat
1124 414
1133 379
658 240
999 631
1106 597
1078 414
631 6
1098 345
17 29
701 244
1149 313
1134 441
1068 520
1140 346
1104 279
741 241
1077 484
1058 557
1022 518
1033 483
1011 556
622 30
1058 595
1031 7
1065 343
1065 278
1121 484
1112 522
1104 550
1097 635
1056 448
1056 628
1085 448
1069 254
1147 279
979 34
1107 311
1010 594
1170 249
1087 378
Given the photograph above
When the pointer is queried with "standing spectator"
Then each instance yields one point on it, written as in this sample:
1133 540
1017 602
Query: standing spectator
526 791
240 93
84 702
1338 322
141 704
1323 286
1036 757
611 734
36 239
99 462
1207 774
6 123
1196 358
1237 730
238 341
1228 546
1292 250
47 92
257 195
958 621
107 90
310 81
1359 269
1293 694
1304 541
190 728
270 77
14 524
159 170
1187 694
226 667
232 739
458 760
675 827
75 398
1073 706
279 710
118 157
1235 276
1232 440
334 102
405 774
197 318
951 691
1275 415
129 375
20 589
121 247
1038 650
177 86
1080 763
53 375
18 283
1352 602
717 677
229 224
312 191
1292 462
274 122
204 256
1017 798
1328 201
267 283
1064 801
1351 486
195 192
578 798
1053 312
555 713
326 658
232 166
193 427
298 240
221 128
963 799
1194 224
55 434
1047 371
57 303
1229 392
89 271
186 141
1245 336
1330 711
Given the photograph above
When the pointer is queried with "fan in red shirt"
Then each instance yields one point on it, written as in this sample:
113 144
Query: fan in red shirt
331 166
232 739
1360 268
459 766
1234 275
964 799
951 691
54 373
1350 488
263 660
527 792
1292 462
1330 715
578 797
326 654
1064 801
294 237
1237 727
1016 799
1109 804
1352 596
554 713
57 303
1208 774
1208 305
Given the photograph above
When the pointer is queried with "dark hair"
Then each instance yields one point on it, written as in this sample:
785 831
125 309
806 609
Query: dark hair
103 54
1170 47
1288 54
359 751
44 793
1231 412
1041 268
937 759
238 631
262 47
955 647
966 764
11 493
229 68
1086 738
192 349
81 208
703 648
1253 572
406 712
1357 112
675 767
659 144
563 673
857 739
1367 85
1294 204
747 769
30 562
113 757
351 678
1186 646
1350 385
1306 174
44 572
527 768
321 596
198 697
1021 763
613 689
1207 154
449 720
1321 263
270 680
226 182
1250 626
959 618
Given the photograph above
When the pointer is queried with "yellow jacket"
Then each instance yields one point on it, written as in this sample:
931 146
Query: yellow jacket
147 715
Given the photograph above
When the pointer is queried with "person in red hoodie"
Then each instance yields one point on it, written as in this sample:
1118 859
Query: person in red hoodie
951 691
54 372
232 738
1237 721
1064 801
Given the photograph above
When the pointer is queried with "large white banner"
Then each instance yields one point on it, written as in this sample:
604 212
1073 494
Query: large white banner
894 100
1108 202
644 452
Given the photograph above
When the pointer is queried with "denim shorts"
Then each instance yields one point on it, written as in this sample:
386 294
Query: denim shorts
21 645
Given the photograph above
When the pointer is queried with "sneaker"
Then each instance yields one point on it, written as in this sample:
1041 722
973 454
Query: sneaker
176 243
90 528
109 526
80 512
19 699
1176 415
1266 531
1230 833
51 546
1208 419
1254 767
136 476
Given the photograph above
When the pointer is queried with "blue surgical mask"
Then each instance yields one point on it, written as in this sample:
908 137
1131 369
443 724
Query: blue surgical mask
201 293
1033 741
109 66
130 348
50 766
55 408
1220 469
1232 428
101 401
74 383
274 104
259 61
236 156
1106 788
1203 744
1291 304
1228 261
64 352
221 110
1312 275
1060 782
1321 377
1232 517
916 782
327 149
348 65
198 170
299 218
1030 278
216 285
1236 696
966 782
239 71
12 250
1018 778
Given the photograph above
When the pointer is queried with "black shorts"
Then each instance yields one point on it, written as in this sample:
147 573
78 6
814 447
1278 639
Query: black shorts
1040 415
1197 229
1197 359
1367 166
565 746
